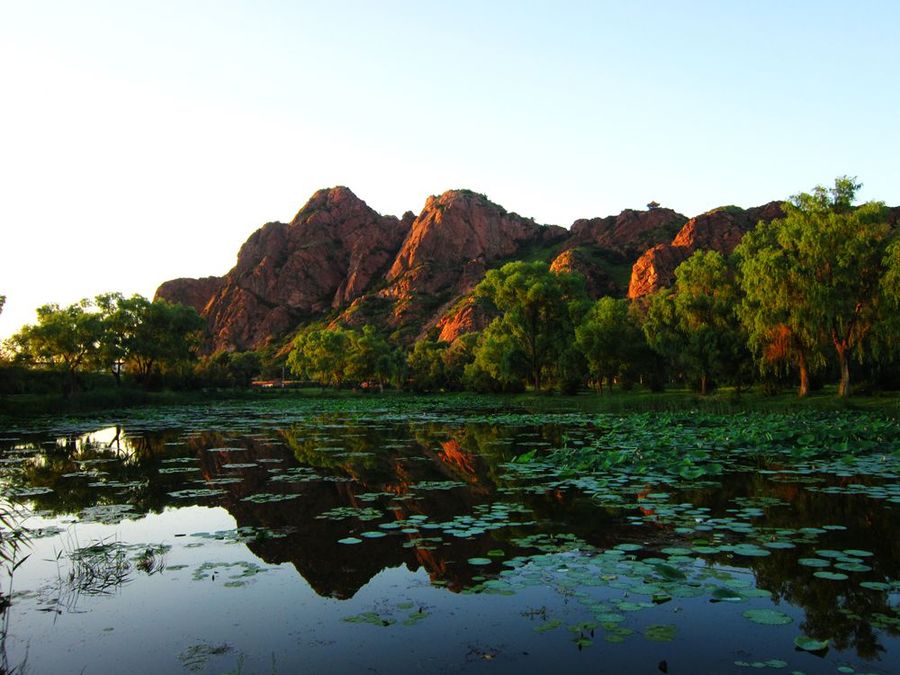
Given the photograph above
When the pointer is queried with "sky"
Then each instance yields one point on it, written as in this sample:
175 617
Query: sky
146 140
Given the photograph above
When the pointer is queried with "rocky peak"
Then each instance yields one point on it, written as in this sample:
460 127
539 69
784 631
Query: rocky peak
720 230
454 240
330 253
629 233
194 293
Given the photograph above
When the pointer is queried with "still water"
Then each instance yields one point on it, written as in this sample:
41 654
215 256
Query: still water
401 536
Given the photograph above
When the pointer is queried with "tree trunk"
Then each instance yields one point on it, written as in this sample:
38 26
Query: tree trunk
804 375
844 387
704 384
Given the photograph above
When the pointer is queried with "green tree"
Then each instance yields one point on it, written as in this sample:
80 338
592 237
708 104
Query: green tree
499 362
813 280
459 354
694 324
113 349
2 302
156 334
425 365
65 337
539 310
322 355
610 340
372 359
228 369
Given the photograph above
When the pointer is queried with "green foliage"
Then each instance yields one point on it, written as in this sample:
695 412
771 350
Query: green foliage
321 355
63 337
536 329
425 365
154 334
372 358
109 332
440 366
694 324
610 339
229 369
331 356
2 302
814 281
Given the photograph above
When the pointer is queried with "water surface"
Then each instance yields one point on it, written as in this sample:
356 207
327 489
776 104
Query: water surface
391 537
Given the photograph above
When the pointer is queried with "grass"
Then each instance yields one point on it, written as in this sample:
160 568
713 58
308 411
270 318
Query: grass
723 400
639 399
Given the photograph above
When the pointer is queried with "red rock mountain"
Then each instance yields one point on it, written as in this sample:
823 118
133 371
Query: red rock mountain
597 280
338 260
455 239
329 254
194 293
630 233
720 229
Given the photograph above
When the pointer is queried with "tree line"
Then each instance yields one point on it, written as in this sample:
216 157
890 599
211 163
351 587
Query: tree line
803 297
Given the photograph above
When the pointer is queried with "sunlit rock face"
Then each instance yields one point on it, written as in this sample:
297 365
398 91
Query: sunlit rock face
456 238
194 293
328 255
464 317
340 260
719 230
597 281
630 233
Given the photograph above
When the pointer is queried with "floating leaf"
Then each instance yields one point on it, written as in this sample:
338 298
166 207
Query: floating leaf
661 633
767 617
808 644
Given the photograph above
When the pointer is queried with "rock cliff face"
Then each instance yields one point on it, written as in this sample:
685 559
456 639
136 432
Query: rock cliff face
630 233
329 254
340 260
597 281
194 293
720 230
465 317
450 246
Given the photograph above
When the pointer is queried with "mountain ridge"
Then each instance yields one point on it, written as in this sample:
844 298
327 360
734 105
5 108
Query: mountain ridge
341 262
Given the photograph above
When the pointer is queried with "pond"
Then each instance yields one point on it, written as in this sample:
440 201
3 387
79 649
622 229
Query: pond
447 535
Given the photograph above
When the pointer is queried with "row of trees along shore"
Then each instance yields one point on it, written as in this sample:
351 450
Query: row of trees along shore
802 297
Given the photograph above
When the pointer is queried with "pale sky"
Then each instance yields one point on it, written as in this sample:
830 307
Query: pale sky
142 141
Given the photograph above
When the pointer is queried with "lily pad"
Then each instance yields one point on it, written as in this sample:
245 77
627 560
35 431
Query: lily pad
661 633
767 617
808 644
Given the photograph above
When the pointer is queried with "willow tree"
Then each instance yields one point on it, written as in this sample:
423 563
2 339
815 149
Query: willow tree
812 280
693 324
610 339
539 310
64 337
322 355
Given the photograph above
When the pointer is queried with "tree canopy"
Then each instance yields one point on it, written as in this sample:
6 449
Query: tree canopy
539 310
109 332
813 280
610 339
